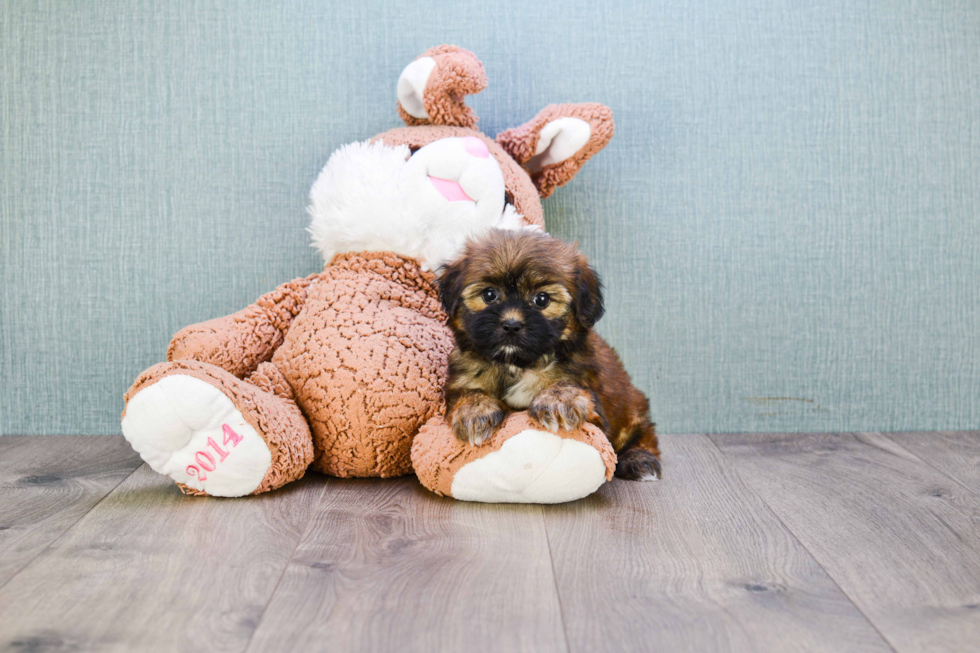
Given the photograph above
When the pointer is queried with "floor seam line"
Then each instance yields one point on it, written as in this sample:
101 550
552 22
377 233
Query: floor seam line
73 525
554 580
285 568
796 538
928 464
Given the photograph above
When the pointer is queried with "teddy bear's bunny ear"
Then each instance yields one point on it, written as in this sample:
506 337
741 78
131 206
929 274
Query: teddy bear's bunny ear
555 145
431 88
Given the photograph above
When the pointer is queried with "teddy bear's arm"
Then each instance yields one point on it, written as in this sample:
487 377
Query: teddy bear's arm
239 342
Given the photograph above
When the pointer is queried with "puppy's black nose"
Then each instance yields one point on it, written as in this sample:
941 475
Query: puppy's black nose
511 326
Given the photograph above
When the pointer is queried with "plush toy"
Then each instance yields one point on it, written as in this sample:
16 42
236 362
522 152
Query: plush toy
342 370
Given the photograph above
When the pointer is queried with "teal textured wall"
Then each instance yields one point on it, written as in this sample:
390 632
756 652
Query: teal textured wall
788 220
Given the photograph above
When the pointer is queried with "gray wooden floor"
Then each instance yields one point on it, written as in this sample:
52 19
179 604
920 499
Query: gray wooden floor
778 542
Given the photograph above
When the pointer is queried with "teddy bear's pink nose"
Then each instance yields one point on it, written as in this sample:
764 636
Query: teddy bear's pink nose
476 147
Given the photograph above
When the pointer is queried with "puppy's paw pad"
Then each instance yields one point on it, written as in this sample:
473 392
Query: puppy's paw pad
191 431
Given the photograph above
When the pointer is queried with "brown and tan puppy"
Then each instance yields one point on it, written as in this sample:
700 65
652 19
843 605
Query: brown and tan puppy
521 306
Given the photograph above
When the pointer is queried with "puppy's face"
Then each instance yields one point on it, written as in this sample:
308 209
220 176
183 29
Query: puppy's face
516 296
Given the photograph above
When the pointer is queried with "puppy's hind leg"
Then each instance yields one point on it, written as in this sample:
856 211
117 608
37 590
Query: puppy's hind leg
640 461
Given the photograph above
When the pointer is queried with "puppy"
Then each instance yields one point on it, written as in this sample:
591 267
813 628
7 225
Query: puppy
522 305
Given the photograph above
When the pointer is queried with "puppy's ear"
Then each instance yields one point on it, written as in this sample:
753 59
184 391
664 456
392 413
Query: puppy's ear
588 304
451 286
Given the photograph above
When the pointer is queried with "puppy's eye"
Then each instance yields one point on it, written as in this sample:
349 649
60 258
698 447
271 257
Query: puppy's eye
489 295
541 300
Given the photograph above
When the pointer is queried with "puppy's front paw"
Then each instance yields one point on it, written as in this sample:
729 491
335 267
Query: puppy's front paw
475 417
564 406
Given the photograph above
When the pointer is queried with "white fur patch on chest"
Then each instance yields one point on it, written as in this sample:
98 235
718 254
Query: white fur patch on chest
527 386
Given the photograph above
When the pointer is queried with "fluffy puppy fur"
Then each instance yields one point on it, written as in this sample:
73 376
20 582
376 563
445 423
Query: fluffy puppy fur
522 306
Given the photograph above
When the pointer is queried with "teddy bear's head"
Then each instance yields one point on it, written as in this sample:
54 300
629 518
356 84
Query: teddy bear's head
422 190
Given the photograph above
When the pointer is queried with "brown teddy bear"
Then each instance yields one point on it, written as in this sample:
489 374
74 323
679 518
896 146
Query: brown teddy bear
343 370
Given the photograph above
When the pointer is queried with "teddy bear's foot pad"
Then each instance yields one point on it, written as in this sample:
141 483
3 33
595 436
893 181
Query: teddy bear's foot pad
191 431
532 467
520 464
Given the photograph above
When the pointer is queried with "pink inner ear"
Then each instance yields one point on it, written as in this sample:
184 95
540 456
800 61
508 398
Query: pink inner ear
450 189
476 147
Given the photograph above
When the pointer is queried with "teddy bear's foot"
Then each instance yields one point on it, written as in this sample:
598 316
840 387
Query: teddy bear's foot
213 433
520 464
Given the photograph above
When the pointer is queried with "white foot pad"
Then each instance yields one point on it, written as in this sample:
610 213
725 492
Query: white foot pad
189 430
532 467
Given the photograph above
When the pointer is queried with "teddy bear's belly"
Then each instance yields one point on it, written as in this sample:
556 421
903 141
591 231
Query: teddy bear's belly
367 374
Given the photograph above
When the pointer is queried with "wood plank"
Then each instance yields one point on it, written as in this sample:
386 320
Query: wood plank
695 562
150 569
901 539
955 453
388 566
47 483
